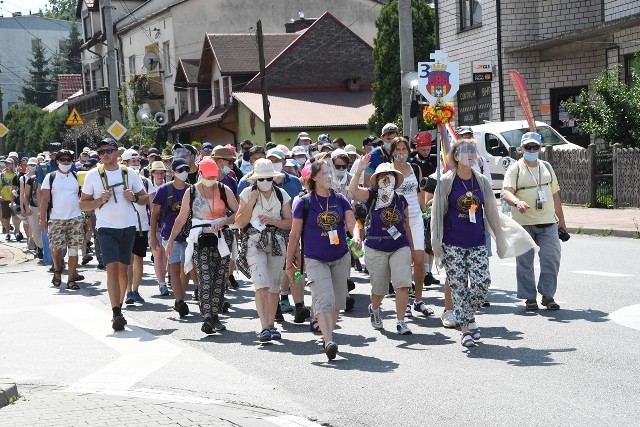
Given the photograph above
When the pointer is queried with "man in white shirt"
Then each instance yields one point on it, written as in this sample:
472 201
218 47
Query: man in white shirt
111 191
60 212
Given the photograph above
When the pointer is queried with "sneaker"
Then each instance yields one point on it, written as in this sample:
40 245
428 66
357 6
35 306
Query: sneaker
181 307
301 314
408 312
430 280
275 334
314 326
233 282
118 322
19 237
86 259
403 328
364 270
421 307
225 306
376 318
195 295
207 326
101 266
286 306
449 320
8 238
129 299
217 324
265 335
279 316
331 350
164 291
350 303
137 297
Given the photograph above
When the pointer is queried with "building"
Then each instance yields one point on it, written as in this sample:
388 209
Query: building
558 46
18 35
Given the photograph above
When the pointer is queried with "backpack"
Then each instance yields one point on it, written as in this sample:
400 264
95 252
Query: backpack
103 177
546 164
188 225
52 176
278 191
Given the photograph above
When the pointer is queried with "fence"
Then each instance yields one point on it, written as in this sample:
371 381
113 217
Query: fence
595 178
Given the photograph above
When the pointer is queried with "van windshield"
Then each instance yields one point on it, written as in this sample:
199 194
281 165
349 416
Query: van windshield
548 134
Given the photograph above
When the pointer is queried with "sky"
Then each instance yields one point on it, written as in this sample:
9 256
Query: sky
10 6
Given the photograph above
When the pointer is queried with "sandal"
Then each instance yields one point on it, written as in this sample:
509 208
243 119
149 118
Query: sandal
531 305
314 326
550 303
57 278
467 340
78 278
72 285
475 334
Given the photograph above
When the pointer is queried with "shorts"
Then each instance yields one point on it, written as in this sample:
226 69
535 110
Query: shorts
116 244
6 210
417 232
140 244
266 269
66 233
177 254
328 283
385 266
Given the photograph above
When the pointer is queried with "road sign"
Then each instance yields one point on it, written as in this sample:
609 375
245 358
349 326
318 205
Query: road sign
438 80
117 130
3 130
74 119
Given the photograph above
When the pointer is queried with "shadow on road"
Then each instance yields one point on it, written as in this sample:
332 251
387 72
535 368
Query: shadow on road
516 356
356 362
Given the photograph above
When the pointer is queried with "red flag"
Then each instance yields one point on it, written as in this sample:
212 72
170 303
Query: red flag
523 95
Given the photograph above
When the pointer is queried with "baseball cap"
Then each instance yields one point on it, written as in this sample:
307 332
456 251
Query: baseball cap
531 137
423 139
90 163
371 140
326 146
339 152
389 128
325 137
256 149
464 130
298 151
292 163
177 162
208 145
208 167
276 152
108 141
350 149
130 154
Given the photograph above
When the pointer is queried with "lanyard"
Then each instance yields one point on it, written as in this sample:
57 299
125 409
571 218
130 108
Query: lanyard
534 178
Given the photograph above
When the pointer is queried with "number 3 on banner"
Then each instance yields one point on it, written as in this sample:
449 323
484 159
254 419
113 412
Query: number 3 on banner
424 70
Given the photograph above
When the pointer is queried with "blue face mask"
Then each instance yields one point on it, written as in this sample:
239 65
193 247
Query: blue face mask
226 170
530 156
387 145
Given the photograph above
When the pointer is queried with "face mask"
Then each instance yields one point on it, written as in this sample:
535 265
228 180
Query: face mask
386 186
401 158
182 176
277 167
530 156
32 168
264 185
64 168
226 170
207 182
135 168
340 174
387 146
306 148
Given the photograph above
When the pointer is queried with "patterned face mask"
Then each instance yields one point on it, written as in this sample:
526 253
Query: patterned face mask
386 186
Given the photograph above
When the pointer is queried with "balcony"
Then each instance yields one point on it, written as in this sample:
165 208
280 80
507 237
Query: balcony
92 103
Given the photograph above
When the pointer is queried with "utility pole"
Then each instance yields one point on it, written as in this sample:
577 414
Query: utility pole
263 84
111 62
407 64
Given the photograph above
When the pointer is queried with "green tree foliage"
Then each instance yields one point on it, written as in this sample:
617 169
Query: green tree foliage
386 97
32 129
39 89
61 9
611 111
71 45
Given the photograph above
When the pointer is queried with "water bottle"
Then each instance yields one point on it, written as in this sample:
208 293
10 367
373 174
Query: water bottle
298 276
359 253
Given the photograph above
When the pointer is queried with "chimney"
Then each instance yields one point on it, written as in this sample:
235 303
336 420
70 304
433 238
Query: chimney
298 25
353 85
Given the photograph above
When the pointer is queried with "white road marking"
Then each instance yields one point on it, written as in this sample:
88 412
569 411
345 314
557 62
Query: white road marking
138 348
602 273
627 316
290 421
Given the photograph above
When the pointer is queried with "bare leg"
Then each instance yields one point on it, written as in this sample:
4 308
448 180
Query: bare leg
402 298
418 273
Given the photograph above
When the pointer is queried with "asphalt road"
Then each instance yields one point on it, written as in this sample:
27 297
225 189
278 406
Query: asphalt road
575 366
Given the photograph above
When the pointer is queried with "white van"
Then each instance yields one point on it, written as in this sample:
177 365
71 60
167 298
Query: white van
495 138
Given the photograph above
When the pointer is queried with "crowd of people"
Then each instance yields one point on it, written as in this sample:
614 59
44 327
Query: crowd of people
290 219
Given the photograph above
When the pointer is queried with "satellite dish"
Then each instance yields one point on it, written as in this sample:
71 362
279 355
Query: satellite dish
150 60
160 118
144 113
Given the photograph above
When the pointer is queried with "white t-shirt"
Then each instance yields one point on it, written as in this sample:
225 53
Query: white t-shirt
64 195
118 212
268 207
353 170
142 209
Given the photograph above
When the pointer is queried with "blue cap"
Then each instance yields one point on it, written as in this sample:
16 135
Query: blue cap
177 162
531 137
90 163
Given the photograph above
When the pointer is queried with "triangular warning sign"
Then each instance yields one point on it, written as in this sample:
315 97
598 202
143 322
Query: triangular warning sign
74 119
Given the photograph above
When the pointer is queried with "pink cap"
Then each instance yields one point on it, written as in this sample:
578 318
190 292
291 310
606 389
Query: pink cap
208 168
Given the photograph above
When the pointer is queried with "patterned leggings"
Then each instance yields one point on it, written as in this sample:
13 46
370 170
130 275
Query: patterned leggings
212 270
469 278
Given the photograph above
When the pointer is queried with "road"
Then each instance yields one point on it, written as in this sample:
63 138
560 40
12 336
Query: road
569 367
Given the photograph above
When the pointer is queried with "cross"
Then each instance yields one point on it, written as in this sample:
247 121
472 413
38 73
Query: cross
438 55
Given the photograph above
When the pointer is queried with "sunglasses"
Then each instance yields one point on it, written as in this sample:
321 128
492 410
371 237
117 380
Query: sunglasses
182 169
265 179
65 160
341 167
247 148
106 151
531 147
207 149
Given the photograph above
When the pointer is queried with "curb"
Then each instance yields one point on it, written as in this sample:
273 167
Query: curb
600 232
20 255
8 391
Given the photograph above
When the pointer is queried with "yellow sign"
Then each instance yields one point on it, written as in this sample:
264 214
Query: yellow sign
117 130
3 130
74 119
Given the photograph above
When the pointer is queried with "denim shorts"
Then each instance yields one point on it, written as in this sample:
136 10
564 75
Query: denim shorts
116 244
177 254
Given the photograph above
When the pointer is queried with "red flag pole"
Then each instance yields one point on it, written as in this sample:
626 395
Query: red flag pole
524 97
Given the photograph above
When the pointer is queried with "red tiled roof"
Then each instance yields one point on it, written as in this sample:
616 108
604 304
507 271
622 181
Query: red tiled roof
68 84
206 116
238 53
307 110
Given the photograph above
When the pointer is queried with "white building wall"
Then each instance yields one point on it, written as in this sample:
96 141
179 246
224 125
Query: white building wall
616 9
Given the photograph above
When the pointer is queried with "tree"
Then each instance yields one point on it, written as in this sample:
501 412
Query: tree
78 137
39 89
71 45
386 96
611 111
24 136
61 9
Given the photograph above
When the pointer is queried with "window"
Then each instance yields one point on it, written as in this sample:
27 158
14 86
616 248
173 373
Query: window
632 62
35 43
166 56
86 24
227 91
132 66
470 14
216 93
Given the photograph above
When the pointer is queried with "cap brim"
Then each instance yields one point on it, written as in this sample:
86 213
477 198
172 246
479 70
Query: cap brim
254 178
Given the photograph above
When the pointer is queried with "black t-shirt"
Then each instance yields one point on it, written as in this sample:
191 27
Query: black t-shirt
427 165
34 188
193 177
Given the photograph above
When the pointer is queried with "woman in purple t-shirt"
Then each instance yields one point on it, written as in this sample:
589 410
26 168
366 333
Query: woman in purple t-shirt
387 239
326 254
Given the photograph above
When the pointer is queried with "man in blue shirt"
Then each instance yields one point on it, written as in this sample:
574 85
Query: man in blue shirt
290 183
256 152
381 154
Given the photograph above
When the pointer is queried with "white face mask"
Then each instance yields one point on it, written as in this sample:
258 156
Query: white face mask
340 174
208 182
64 168
182 176
32 168
135 168
277 167
264 185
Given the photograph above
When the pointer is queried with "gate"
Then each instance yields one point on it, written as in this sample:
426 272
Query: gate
604 179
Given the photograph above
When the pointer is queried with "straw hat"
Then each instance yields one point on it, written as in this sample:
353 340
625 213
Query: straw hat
158 166
263 168
384 168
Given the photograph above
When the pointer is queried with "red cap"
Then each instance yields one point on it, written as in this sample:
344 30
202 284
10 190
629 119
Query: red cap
208 167
423 139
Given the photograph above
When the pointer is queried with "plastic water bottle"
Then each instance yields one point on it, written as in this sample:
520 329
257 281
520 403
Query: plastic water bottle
298 276
359 253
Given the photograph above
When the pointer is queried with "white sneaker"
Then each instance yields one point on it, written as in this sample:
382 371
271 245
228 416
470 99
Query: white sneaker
403 328
408 312
448 319
376 319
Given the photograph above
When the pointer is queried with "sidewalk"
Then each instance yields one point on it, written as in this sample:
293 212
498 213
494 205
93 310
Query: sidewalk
608 222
